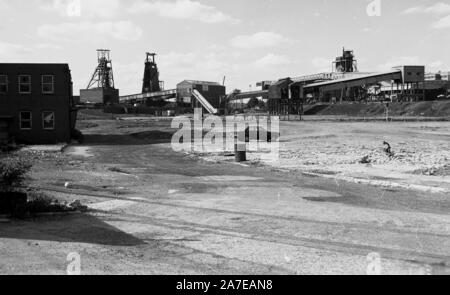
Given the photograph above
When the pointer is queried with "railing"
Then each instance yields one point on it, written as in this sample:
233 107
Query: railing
320 76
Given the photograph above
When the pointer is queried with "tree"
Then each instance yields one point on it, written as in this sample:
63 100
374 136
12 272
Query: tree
253 103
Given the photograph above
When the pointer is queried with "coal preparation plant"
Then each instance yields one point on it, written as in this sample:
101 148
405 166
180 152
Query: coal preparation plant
345 84
285 96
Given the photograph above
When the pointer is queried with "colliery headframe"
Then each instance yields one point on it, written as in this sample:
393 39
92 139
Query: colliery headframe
101 87
151 82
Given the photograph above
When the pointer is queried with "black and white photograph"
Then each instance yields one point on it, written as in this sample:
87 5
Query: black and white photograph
200 138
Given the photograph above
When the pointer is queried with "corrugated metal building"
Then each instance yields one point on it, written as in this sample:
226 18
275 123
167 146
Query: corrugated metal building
36 103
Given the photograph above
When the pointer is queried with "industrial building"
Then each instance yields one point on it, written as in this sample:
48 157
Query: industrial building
212 91
346 84
36 103
405 79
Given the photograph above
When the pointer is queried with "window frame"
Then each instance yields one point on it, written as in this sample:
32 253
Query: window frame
43 122
20 84
52 84
30 120
4 84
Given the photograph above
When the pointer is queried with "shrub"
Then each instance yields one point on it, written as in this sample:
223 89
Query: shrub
12 172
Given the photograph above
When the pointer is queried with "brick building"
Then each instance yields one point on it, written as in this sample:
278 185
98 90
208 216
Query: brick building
36 103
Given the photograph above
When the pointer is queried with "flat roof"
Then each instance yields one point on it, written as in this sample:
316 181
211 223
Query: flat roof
200 82
34 64
14 67
354 78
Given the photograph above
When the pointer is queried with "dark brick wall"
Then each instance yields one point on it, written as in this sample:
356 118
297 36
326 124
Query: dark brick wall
60 102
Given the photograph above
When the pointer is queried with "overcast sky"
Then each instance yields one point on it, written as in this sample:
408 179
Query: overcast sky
245 40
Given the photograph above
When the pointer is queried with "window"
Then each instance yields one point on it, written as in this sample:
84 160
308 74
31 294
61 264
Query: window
48 84
205 88
25 84
26 120
3 84
48 120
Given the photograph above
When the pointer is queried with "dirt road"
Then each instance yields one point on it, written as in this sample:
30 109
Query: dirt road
154 211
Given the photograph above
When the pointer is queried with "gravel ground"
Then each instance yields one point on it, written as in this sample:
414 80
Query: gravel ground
154 211
354 151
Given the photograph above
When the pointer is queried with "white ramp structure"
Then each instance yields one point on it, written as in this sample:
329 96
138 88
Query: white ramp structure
204 102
